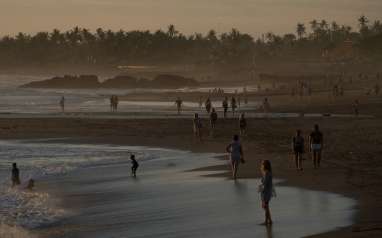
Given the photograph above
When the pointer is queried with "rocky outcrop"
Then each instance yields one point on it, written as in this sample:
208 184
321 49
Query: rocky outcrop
121 81
66 82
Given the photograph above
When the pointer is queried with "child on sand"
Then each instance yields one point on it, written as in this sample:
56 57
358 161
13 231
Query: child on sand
236 155
298 149
134 166
266 190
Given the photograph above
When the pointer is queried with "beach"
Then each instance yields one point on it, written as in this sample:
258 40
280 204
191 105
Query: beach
80 162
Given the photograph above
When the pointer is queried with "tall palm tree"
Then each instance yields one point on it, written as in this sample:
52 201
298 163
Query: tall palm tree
300 30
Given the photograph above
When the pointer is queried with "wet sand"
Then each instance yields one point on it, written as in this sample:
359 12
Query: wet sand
351 164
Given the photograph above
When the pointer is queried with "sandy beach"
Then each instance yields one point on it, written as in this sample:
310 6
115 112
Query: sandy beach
350 161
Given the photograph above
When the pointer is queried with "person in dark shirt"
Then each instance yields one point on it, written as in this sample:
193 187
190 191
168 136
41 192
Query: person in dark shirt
134 166
266 190
316 140
15 175
225 106
213 119
298 149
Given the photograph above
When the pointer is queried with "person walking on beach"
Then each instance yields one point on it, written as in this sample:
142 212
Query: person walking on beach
208 105
15 175
112 103
298 149
197 123
266 190
213 119
235 150
62 104
225 107
134 166
233 105
242 124
316 140
116 102
178 103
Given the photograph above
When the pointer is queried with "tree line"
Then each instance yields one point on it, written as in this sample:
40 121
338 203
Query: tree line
79 46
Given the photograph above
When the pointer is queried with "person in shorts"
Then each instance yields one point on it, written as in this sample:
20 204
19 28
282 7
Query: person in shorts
236 155
316 141
266 190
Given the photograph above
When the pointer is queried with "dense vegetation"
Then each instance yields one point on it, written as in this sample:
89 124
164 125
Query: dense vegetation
107 48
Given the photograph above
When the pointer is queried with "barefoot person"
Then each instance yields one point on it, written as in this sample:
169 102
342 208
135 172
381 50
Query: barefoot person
208 105
233 105
236 155
298 149
134 166
15 175
316 140
242 124
178 104
266 190
197 123
213 119
225 106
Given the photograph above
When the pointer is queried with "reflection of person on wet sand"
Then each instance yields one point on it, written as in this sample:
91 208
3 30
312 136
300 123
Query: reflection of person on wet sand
236 155
178 104
134 166
266 190
15 175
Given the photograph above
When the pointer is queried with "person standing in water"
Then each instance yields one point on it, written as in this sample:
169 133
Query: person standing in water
266 190
225 106
213 119
233 105
134 166
179 103
298 149
15 175
197 123
235 150
242 124
316 140
208 105
62 104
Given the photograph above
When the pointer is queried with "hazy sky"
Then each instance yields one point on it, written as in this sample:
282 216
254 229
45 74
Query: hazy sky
252 16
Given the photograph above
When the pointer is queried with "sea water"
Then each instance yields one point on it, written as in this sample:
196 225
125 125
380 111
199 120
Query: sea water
100 198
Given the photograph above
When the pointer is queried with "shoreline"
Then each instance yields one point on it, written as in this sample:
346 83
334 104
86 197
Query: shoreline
144 133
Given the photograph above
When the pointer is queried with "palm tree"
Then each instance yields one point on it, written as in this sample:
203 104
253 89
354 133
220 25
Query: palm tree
300 30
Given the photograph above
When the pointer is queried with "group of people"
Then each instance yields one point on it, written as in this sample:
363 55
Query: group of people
266 188
316 141
114 100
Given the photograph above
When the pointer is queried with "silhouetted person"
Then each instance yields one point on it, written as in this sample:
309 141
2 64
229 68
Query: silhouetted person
316 140
179 103
236 155
298 146
233 105
213 119
266 106
134 166
266 190
197 126
15 175
225 106
208 105
62 104
242 124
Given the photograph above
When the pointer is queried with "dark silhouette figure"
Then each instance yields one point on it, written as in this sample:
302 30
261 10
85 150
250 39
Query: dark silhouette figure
15 175
298 146
134 166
